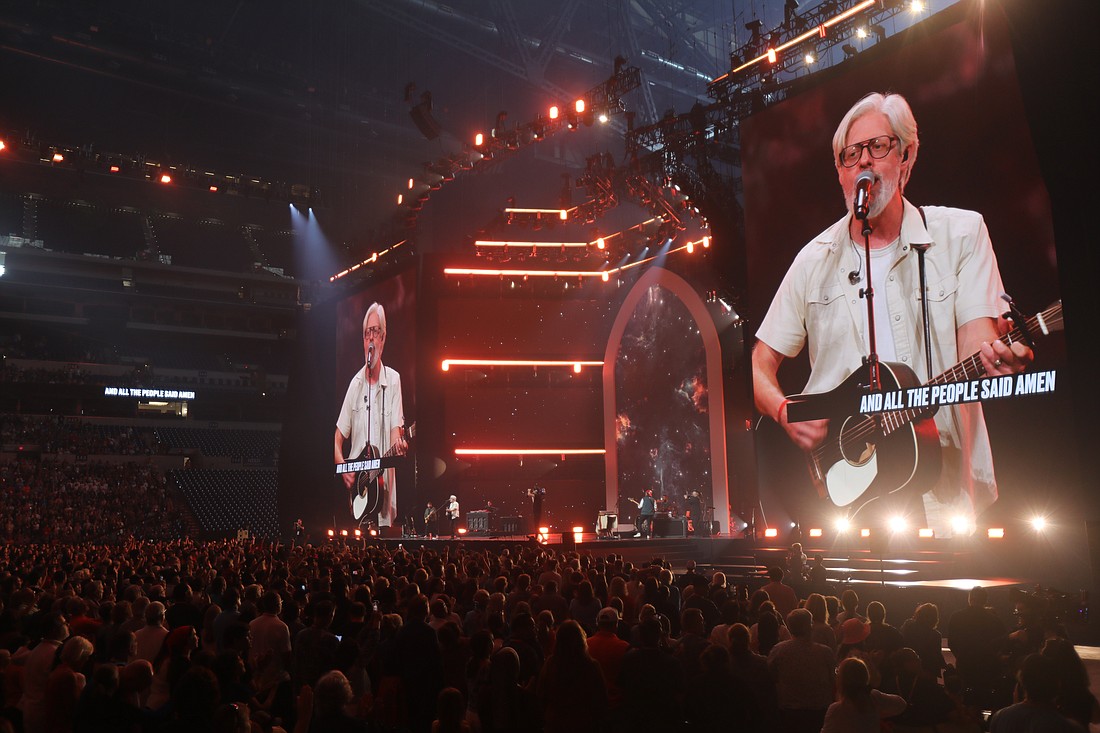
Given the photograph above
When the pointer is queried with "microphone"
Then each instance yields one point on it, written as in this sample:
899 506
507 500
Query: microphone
370 356
863 191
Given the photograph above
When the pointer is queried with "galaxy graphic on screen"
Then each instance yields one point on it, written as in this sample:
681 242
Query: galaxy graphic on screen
662 431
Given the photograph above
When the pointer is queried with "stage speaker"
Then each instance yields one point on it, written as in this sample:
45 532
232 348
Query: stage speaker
421 114
664 526
392 531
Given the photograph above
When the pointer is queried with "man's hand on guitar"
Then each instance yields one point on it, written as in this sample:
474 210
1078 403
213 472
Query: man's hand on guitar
1000 359
349 480
806 435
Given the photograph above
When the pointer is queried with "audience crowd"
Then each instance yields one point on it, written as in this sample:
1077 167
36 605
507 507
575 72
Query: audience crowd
55 434
176 635
80 501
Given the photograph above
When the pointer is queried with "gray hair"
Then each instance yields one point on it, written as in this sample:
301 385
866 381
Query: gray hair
376 308
902 123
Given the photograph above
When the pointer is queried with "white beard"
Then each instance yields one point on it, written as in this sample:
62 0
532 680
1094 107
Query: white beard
885 194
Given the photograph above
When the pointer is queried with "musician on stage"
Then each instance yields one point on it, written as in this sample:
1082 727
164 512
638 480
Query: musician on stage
372 412
536 494
818 304
450 509
647 507
429 520
693 511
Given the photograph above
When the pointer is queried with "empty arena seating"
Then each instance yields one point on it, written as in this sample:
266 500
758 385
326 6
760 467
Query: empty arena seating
244 444
79 227
226 501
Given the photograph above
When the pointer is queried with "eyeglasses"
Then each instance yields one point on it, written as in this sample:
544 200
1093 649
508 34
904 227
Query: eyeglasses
372 332
878 147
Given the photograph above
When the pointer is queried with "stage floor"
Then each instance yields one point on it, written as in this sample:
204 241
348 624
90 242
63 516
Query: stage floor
944 566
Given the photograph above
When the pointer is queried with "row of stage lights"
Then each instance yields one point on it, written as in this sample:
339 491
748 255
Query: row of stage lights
357 534
899 526
166 174
861 32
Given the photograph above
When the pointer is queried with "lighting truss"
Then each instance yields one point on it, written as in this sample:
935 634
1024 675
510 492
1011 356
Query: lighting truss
756 64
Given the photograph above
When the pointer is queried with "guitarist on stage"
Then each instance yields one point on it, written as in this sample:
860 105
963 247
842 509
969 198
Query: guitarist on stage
372 414
818 304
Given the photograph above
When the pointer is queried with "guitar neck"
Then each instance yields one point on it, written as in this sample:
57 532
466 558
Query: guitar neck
1041 324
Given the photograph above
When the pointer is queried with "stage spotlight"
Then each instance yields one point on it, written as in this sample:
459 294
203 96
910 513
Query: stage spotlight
343 533
554 112
374 533
996 533
690 247
865 533
603 118
926 533
815 532
916 6
600 243
772 56
213 189
843 525
579 106
577 368
2 145
563 215
898 524
57 158
849 50
809 59
960 524
771 532
400 199
358 533
605 277
412 182
706 242
332 533
114 169
861 32
165 178
462 530
479 140
1038 523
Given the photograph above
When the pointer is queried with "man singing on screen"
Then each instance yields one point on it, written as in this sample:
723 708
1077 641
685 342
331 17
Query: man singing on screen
818 303
372 414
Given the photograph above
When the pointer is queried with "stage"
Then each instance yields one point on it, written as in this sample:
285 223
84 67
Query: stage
939 564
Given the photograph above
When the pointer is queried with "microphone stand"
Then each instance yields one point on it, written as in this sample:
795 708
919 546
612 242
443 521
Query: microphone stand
868 293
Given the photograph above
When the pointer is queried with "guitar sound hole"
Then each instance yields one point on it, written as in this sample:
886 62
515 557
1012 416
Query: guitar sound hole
858 438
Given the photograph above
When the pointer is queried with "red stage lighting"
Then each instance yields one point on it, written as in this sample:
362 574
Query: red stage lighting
57 157
2 145
579 106
213 189
771 532
165 178
815 532
772 57
479 140
996 533
114 169
554 112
